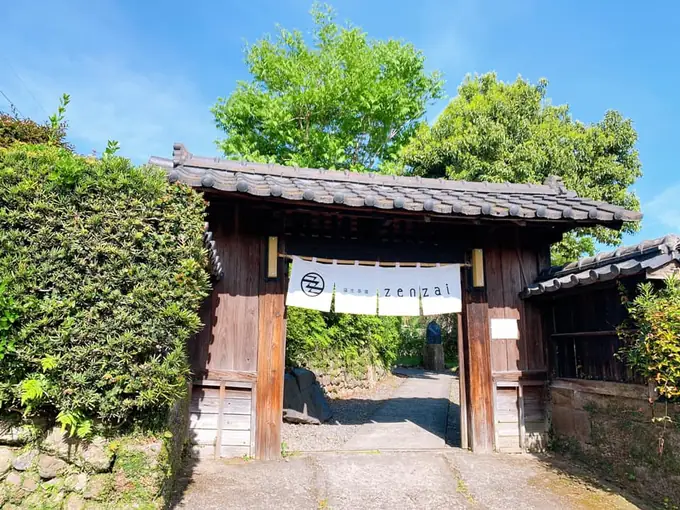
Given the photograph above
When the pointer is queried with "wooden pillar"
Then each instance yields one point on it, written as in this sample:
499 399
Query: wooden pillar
478 363
271 359
462 385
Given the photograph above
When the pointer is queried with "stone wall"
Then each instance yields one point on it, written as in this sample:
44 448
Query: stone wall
338 382
43 468
614 428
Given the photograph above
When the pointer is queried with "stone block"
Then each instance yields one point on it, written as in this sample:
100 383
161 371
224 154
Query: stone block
58 443
433 357
49 467
303 399
92 455
12 435
581 424
74 502
95 455
561 397
30 482
562 420
13 478
25 460
96 487
6 460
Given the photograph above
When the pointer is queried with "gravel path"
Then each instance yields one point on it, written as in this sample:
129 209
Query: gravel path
348 416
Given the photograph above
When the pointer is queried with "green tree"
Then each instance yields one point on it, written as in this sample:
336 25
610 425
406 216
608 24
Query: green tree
496 131
345 102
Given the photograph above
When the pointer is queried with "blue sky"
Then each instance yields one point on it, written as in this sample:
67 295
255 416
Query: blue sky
146 73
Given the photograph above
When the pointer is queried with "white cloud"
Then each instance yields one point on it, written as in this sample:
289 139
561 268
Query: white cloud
665 208
145 112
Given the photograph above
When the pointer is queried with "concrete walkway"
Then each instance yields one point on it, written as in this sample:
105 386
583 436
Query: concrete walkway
375 470
422 480
414 418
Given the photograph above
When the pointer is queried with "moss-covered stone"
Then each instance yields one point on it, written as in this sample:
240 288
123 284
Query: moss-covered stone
628 447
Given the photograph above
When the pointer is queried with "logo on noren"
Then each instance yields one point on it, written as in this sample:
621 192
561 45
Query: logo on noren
312 284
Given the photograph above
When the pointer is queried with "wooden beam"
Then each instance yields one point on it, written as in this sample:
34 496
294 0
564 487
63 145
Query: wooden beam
633 391
476 331
230 375
271 358
522 424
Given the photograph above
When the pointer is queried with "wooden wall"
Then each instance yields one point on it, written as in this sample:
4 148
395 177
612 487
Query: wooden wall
238 358
518 366
582 332
508 271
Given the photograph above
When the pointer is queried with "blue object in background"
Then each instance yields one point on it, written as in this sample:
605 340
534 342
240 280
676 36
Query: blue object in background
434 333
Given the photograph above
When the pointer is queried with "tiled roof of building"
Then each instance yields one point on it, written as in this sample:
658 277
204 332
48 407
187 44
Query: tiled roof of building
624 261
548 202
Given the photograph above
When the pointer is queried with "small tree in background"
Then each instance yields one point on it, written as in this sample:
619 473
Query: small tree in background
346 102
495 131
14 128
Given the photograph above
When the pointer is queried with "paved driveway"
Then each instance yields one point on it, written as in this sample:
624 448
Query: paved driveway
398 459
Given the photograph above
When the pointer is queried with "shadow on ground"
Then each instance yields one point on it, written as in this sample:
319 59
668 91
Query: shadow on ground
419 411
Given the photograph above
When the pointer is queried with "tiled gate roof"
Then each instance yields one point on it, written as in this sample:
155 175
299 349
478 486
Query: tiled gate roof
550 201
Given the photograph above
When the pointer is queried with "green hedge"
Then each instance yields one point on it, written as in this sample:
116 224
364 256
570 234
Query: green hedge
103 269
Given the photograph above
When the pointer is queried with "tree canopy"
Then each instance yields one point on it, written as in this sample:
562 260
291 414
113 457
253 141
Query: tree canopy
342 102
345 102
496 131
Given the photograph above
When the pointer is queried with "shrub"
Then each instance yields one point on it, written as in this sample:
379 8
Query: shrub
353 342
104 271
654 344
13 128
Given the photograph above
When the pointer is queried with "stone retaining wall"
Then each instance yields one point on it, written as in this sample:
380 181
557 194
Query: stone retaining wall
337 382
615 429
43 468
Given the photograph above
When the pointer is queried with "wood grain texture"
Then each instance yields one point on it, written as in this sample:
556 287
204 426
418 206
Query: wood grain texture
230 375
509 268
208 421
236 302
478 357
199 345
270 365
494 290
512 284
